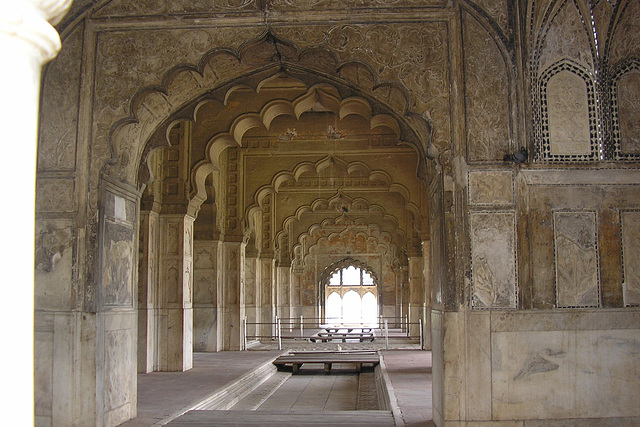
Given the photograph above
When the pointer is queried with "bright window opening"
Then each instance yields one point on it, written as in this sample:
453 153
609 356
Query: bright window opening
352 298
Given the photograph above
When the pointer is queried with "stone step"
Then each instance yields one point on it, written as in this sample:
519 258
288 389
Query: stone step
284 418
258 396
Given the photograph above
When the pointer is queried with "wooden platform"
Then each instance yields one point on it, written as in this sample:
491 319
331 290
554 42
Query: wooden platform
327 359
284 419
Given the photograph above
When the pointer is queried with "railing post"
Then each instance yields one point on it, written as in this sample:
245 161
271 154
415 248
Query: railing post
279 332
406 323
244 333
274 329
421 336
301 326
386 334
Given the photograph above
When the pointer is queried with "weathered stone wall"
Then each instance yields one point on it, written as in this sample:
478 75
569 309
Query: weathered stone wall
532 267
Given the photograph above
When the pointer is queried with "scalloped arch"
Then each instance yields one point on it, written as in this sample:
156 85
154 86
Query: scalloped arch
184 86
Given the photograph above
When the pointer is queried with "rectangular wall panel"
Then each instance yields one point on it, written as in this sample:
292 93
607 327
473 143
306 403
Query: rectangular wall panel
630 225
493 261
576 259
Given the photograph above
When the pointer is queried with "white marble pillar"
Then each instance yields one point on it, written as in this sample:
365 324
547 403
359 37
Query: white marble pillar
206 304
232 295
267 294
416 295
251 292
175 337
426 275
148 292
283 279
27 41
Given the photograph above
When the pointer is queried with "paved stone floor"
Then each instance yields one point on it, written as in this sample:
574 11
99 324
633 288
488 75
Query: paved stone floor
165 395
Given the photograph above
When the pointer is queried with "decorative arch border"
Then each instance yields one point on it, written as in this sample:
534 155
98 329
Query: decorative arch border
543 143
620 71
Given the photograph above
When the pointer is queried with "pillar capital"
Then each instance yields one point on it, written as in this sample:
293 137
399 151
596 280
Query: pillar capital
31 22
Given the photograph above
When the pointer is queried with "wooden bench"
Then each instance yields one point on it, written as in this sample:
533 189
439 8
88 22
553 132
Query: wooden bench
344 336
327 359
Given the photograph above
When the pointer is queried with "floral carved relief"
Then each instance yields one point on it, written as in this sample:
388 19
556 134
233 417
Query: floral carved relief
486 95
344 4
628 98
576 259
412 54
59 110
630 222
493 260
568 109
625 42
55 195
566 38
172 7
498 11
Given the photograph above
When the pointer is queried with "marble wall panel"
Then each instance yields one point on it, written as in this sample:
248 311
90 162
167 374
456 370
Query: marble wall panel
498 10
60 104
576 259
565 374
43 363
55 195
630 226
566 38
120 372
625 42
493 259
118 258
54 258
117 265
628 102
486 94
478 365
205 324
491 188
568 111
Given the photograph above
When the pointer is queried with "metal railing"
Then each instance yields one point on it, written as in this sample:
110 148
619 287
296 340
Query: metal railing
297 327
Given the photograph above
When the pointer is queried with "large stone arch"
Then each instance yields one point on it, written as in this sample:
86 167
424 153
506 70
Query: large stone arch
154 109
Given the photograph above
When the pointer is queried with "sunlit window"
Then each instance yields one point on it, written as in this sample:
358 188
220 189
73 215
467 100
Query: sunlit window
352 297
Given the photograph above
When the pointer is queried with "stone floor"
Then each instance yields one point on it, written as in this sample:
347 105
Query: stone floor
165 396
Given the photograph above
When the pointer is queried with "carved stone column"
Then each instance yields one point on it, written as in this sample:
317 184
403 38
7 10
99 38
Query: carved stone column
251 290
283 278
232 294
206 291
267 294
416 295
175 340
27 41
148 292
426 277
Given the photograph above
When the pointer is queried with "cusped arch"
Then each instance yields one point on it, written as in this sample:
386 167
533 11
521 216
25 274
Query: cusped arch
132 138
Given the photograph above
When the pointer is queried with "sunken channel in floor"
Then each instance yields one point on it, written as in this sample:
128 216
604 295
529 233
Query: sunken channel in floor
304 393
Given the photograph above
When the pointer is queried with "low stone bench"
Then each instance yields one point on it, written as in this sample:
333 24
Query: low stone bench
327 359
